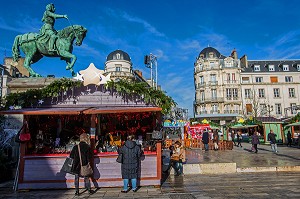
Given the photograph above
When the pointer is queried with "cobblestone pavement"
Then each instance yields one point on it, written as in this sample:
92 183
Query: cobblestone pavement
237 185
240 185
244 158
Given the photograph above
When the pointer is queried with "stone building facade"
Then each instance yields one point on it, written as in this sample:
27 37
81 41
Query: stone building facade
227 88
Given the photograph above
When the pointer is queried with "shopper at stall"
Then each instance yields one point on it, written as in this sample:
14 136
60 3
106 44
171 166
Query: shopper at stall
86 155
131 154
179 157
216 140
239 138
255 140
205 139
289 138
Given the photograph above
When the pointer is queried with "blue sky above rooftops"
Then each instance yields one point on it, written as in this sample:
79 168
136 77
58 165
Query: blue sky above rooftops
173 30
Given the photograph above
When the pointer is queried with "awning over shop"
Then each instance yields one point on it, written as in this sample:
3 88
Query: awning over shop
294 124
240 126
46 111
103 110
77 110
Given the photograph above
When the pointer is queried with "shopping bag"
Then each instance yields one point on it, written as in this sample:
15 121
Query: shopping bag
86 170
67 166
120 158
24 137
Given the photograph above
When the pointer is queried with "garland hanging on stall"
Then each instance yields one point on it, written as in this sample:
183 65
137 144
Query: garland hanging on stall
149 94
32 96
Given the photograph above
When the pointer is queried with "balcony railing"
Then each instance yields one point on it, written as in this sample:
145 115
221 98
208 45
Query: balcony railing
210 100
232 111
213 83
231 82
200 85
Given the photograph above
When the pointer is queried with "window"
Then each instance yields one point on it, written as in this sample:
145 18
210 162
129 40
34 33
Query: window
261 93
202 96
298 67
201 80
245 79
213 93
235 93
118 68
212 64
213 78
263 109
256 67
201 67
247 93
288 79
228 64
228 93
291 92
228 76
285 67
214 108
233 76
258 79
293 106
278 109
118 56
276 92
274 79
271 68
249 108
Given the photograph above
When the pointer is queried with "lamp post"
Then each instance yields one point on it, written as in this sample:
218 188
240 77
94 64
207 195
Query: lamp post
149 61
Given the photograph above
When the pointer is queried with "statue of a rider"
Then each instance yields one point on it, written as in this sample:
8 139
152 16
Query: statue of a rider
48 27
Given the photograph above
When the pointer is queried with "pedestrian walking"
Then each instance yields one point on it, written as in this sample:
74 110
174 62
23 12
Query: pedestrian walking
205 139
272 139
239 138
255 141
131 154
233 137
216 140
289 138
178 157
85 155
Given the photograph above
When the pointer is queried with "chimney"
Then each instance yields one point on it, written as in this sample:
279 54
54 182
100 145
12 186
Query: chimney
244 61
234 54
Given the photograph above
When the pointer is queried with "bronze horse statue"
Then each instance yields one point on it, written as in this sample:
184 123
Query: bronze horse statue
36 46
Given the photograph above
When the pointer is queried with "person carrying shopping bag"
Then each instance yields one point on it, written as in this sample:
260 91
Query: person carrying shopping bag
81 155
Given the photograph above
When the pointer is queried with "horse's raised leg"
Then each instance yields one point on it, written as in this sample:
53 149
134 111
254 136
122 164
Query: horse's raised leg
27 62
70 59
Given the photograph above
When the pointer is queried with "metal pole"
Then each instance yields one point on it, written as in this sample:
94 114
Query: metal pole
151 73
156 73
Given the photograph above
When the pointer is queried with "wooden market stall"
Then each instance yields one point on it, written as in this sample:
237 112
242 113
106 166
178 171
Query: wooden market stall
55 127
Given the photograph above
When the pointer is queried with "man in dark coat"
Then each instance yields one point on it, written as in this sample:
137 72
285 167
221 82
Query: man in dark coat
255 141
130 163
272 139
86 155
289 138
205 139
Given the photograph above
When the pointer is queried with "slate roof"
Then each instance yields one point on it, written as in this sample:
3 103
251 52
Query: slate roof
123 56
278 66
207 50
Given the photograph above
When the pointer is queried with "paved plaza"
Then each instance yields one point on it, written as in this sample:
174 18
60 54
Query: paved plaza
233 185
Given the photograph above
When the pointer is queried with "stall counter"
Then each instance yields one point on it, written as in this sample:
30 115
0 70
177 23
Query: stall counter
43 171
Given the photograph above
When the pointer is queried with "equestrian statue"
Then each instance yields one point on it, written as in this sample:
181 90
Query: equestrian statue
49 42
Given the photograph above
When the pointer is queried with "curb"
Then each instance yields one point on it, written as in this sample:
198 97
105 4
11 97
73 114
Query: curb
226 168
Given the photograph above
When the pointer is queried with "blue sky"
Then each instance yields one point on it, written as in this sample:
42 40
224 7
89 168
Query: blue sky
173 30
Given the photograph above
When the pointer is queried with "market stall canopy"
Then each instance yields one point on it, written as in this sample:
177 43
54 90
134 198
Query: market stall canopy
241 126
98 110
294 124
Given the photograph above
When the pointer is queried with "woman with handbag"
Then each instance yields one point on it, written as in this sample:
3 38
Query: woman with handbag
82 155
177 158
130 154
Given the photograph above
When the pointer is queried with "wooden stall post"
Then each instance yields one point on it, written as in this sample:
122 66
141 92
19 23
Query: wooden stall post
93 136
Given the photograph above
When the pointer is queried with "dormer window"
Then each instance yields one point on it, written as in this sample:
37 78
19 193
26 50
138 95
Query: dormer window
118 56
285 67
211 55
298 67
256 67
271 68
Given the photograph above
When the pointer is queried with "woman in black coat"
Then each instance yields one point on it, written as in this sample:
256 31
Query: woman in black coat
86 155
130 163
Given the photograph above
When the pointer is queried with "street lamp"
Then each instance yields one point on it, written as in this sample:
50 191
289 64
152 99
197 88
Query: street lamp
149 61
